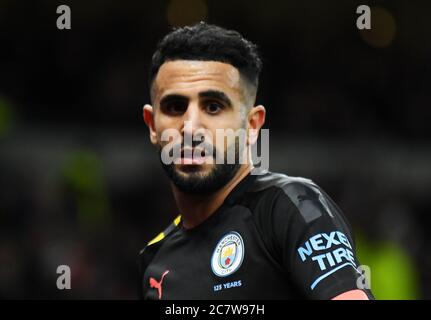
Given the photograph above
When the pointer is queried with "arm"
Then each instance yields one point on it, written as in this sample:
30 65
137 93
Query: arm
352 295
316 244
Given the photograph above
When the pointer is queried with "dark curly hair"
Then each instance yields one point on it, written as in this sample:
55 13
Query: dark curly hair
208 42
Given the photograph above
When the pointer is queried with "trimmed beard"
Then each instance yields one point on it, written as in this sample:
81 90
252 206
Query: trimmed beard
204 183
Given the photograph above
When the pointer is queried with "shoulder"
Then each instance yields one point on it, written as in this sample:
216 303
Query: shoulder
162 235
150 250
296 195
290 185
147 254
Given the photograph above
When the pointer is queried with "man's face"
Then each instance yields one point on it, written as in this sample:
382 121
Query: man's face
196 98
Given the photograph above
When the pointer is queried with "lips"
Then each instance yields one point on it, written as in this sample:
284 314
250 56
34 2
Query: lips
187 157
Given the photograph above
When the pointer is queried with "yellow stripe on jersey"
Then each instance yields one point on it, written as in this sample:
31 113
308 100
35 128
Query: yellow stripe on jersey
177 220
161 235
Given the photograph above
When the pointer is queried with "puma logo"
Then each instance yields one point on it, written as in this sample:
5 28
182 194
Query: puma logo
158 284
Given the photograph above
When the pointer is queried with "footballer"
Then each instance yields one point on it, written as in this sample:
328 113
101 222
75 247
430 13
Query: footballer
241 233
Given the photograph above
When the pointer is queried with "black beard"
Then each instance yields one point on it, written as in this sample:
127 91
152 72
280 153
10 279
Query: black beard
203 184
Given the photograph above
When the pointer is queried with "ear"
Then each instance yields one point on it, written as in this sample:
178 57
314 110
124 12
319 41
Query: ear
148 114
256 119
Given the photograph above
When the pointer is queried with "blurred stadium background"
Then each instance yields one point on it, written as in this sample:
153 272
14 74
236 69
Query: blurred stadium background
81 185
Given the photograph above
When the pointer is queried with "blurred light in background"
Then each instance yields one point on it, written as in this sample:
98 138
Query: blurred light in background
184 12
383 28
393 271
83 173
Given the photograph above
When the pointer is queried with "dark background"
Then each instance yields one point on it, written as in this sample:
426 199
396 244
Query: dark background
81 185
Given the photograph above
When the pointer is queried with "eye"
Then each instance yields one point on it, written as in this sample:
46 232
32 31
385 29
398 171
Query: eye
213 107
174 107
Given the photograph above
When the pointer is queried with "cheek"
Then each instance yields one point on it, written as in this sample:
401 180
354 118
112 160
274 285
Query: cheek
167 125
230 132
168 136
232 119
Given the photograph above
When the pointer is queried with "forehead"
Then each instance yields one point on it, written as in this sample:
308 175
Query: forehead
189 77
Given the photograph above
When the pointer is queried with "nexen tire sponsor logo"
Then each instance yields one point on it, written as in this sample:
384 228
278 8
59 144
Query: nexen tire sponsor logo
337 253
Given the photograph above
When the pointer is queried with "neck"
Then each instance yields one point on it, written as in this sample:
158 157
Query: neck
195 208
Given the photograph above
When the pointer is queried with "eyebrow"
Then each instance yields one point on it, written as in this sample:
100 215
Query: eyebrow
213 94
218 95
172 97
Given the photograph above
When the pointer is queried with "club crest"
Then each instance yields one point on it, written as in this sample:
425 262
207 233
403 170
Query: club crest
228 254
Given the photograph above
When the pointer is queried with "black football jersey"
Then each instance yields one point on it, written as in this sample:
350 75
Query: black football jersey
274 237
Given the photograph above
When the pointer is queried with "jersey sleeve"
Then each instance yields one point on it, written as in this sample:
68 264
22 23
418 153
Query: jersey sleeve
314 241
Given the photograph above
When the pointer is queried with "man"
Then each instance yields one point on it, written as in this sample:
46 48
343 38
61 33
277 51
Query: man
240 235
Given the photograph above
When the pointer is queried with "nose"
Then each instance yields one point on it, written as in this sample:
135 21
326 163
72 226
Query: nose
192 124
